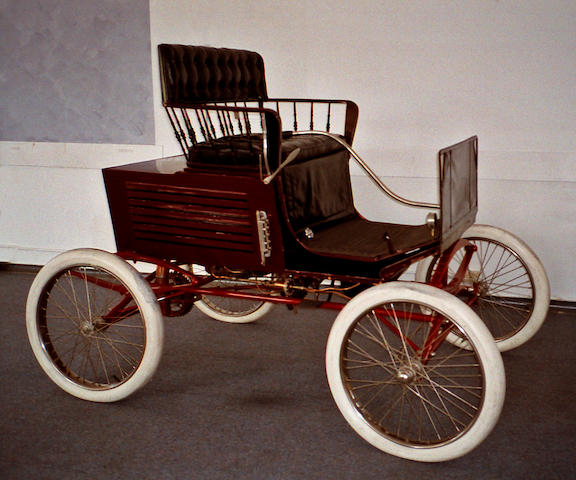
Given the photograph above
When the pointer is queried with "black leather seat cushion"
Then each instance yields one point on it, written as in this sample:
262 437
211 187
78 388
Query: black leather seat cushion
246 149
311 146
360 239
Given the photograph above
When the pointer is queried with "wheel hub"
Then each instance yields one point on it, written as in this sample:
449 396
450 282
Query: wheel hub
88 328
408 372
483 288
405 374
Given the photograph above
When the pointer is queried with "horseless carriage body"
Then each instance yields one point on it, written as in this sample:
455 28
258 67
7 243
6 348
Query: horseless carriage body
252 216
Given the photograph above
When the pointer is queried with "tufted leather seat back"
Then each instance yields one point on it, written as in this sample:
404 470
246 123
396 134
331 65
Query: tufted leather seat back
192 74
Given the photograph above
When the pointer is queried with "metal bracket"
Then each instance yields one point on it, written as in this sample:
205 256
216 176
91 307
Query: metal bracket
432 222
264 240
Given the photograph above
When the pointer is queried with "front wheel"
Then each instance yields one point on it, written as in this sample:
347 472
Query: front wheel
506 280
401 386
94 325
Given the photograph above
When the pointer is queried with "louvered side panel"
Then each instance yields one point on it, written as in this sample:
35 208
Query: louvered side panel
192 217
201 216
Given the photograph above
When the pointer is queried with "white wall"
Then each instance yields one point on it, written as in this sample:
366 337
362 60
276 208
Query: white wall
425 73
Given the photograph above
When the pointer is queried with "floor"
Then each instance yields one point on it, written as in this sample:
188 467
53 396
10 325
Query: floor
252 402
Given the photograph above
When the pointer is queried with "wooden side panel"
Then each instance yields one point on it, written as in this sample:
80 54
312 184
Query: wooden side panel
199 217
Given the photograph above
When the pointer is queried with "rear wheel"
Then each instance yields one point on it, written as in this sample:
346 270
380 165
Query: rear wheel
506 279
231 309
401 387
94 325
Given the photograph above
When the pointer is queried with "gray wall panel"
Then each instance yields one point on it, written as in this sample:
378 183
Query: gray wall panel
76 71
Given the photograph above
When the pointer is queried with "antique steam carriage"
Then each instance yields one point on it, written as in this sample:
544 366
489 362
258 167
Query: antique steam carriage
258 212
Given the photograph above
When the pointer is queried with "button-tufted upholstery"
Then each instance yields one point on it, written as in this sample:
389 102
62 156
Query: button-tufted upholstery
205 74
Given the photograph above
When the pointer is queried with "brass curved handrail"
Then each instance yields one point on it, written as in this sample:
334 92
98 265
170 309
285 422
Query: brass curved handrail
371 174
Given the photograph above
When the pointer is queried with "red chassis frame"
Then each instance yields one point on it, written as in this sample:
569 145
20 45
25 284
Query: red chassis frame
189 292
164 291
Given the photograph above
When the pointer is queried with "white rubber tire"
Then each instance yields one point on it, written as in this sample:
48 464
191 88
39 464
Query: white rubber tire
231 318
143 296
461 315
541 285
233 315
